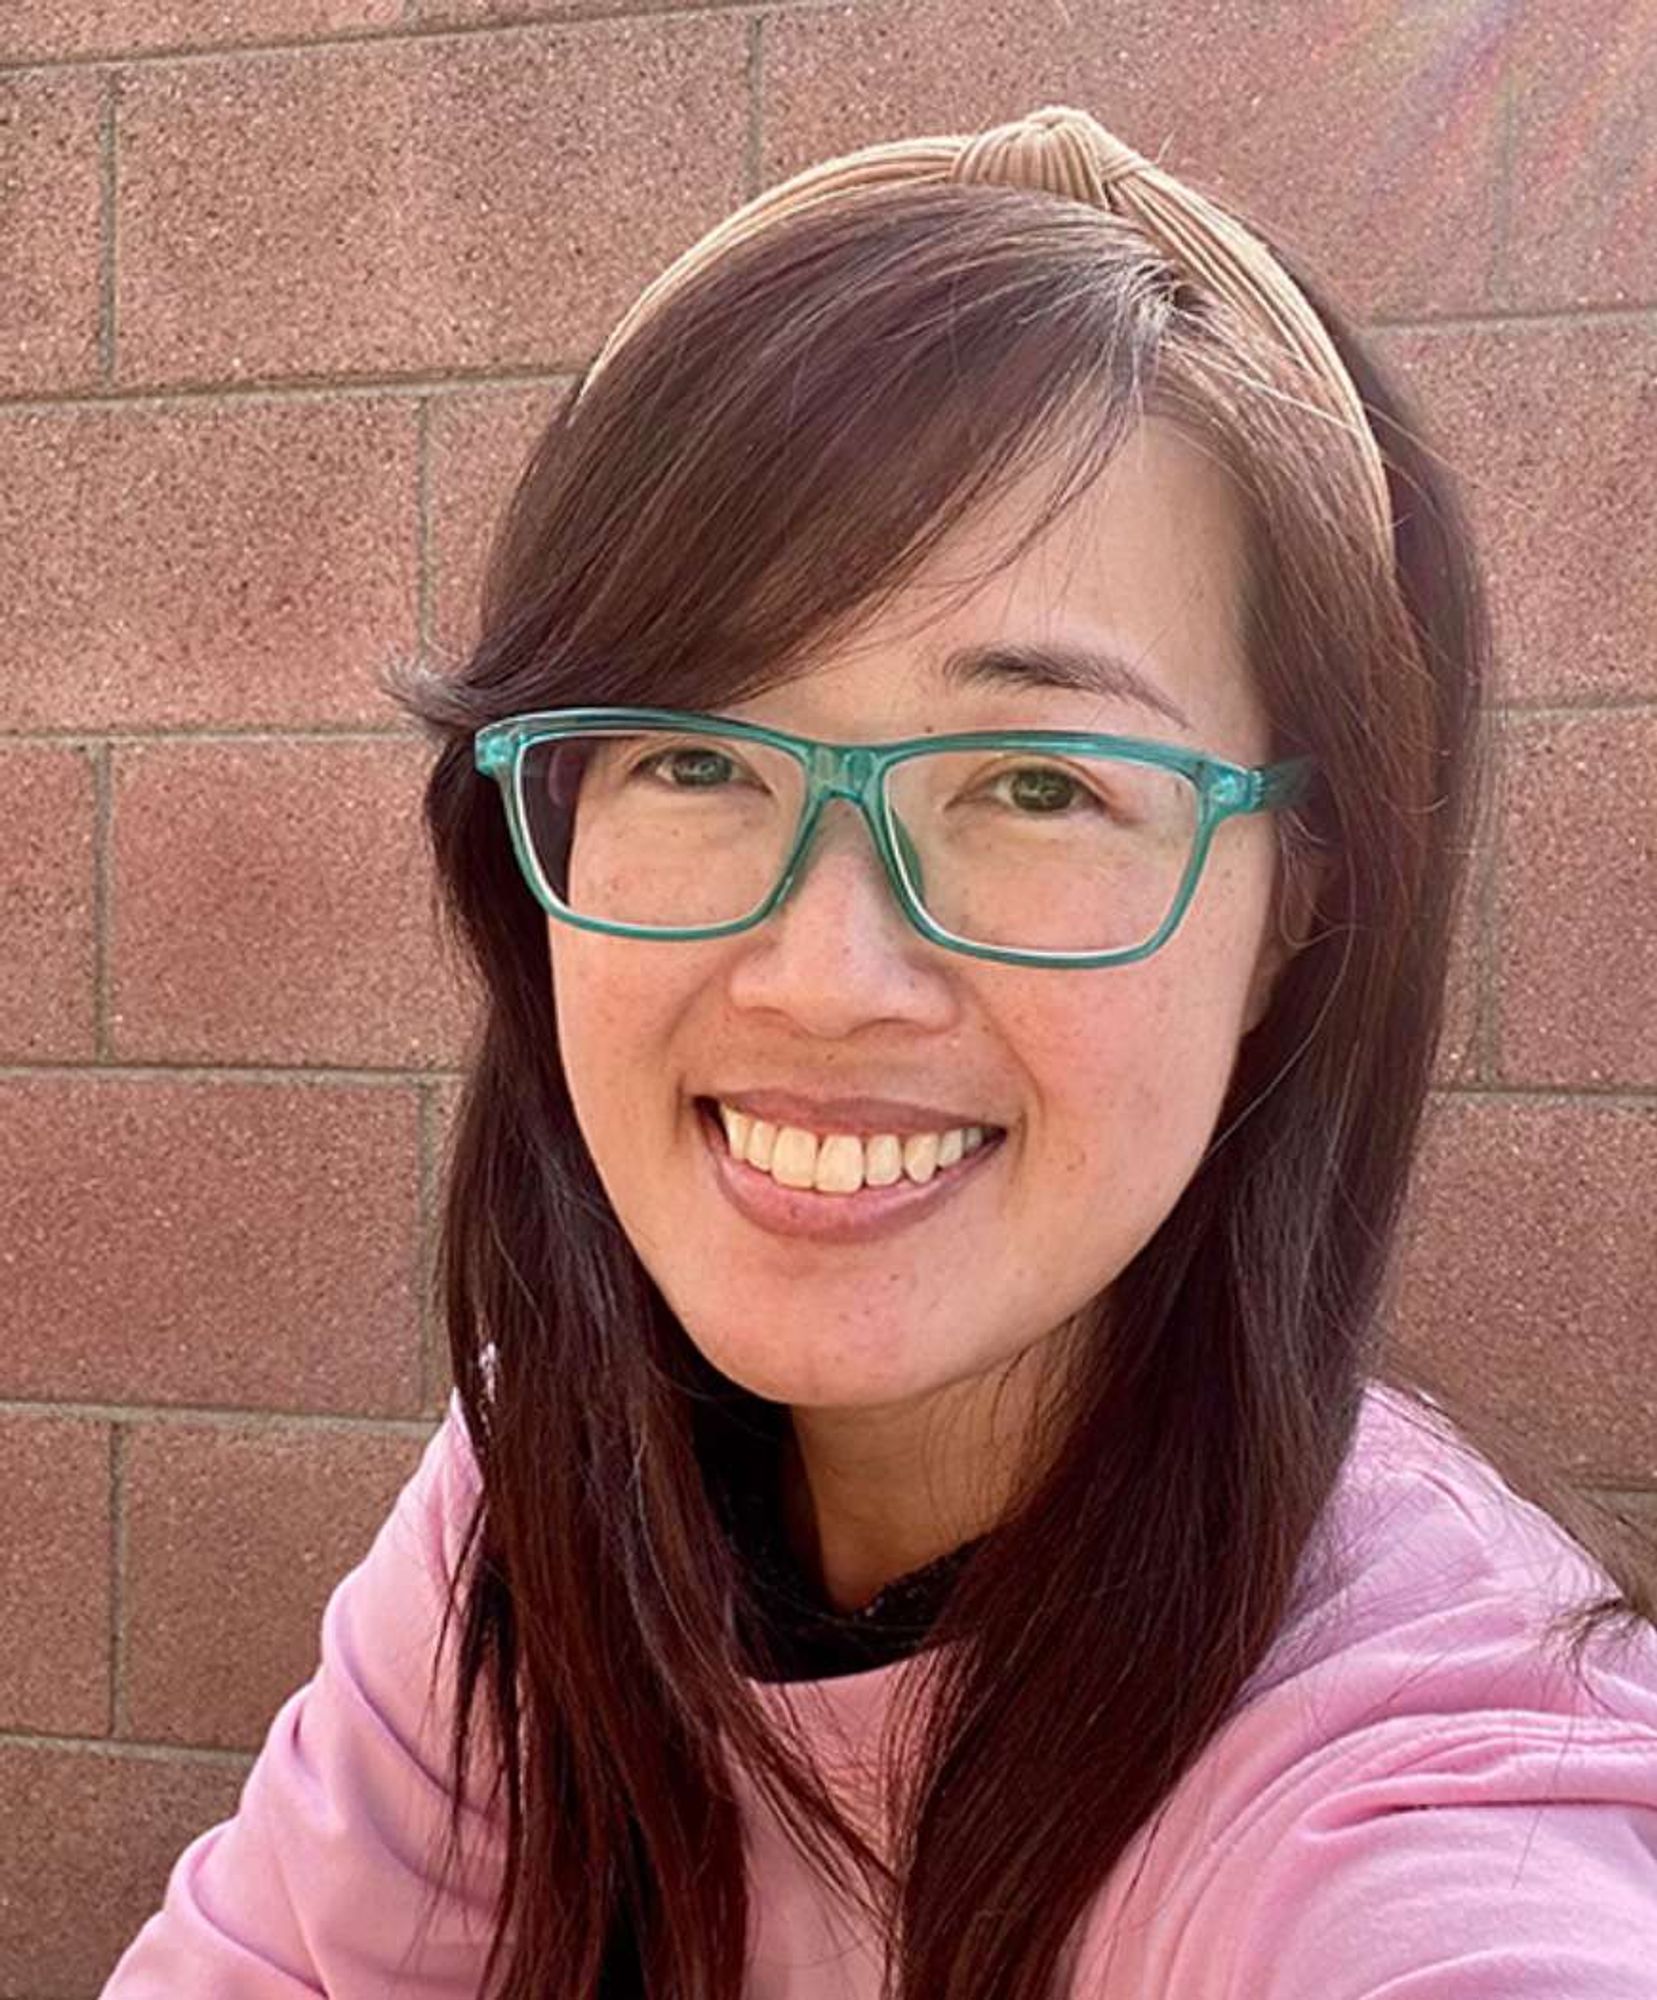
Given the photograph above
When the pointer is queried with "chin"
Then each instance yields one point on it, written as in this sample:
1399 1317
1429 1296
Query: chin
826 1363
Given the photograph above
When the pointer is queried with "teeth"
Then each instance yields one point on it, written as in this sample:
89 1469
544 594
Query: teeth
839 1164
794 1158
842 1162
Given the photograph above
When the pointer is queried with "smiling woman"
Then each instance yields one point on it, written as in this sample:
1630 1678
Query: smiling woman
959 810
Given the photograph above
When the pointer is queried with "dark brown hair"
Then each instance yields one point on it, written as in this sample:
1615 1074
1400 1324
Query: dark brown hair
751 473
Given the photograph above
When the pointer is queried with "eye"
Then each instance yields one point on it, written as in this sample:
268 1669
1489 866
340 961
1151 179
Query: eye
684 767
1042 790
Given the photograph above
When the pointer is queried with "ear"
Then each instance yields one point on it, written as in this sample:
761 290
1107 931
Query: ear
1290 928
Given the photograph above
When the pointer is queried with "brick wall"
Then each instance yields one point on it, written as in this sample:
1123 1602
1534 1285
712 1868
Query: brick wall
285 289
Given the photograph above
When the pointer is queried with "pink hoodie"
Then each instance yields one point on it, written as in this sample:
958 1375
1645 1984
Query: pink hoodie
1414 1801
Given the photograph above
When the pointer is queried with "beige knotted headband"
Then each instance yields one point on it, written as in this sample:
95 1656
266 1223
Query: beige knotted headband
1062 151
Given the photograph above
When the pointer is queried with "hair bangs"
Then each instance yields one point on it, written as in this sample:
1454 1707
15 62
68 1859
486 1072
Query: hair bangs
819 410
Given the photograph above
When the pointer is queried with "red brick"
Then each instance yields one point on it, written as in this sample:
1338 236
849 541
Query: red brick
479 445
46 1010
1550 429
209 1243
102 1831
490 200
54 1574
1577 902
50 193
251 563
1584 199
271 903
46 28
1529 1272
235 1539
1329 126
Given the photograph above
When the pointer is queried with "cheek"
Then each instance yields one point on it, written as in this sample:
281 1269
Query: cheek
619 1007
1131 1083
609 1018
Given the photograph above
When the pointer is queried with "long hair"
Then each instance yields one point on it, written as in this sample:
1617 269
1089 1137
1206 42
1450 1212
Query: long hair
753 472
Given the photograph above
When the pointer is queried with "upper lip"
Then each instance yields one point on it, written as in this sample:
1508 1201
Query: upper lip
848 1114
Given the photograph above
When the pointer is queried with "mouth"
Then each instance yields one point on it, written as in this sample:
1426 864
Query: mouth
841 1187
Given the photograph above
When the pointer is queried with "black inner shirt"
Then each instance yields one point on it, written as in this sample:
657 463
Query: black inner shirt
809 1638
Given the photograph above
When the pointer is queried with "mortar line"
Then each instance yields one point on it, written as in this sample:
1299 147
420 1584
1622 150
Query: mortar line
1639 312
98 1746
582 14
311 1074
220 1416
289 389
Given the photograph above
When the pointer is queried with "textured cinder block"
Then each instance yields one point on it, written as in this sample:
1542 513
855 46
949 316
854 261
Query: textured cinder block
206 563
55 1526
104 1829
477 202
1582 225
444 1117
40 28
46 1001
470 13
1577 903
235 1537
1530 1269
1458 1052
1550 429
209 1243
479 444
271 903
50 181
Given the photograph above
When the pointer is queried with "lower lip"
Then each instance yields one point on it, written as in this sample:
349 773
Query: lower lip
863 1217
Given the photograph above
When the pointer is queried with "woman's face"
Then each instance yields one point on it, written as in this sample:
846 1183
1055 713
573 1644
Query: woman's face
1106 1084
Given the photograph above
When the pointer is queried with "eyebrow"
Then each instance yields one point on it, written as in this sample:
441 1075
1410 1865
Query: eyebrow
1082 669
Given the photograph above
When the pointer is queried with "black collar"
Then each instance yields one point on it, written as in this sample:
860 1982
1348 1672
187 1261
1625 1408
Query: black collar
808 1637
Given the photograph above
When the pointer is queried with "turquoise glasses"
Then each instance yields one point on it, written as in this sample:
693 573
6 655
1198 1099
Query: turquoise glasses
1026 846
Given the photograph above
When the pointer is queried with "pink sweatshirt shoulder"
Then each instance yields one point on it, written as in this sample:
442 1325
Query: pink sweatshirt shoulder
318 1884
1419 1799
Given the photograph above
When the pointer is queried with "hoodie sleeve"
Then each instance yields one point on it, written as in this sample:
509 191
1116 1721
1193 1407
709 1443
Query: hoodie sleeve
321 1881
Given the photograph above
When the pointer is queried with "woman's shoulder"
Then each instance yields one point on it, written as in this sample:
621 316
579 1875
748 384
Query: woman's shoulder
1429 1667
1435 1586
1420 1790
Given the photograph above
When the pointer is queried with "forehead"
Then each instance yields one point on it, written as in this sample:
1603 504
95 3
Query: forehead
1125 614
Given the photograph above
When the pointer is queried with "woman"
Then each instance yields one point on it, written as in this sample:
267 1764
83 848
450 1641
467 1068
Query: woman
983 685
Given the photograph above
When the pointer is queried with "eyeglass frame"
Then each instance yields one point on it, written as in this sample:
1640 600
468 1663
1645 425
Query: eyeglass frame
856 772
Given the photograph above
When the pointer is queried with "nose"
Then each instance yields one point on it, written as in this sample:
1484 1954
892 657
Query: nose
839 952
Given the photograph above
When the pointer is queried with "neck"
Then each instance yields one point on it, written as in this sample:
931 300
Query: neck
868 1495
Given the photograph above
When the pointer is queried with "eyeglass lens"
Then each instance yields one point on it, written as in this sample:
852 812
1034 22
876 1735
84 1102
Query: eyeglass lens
1027 850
